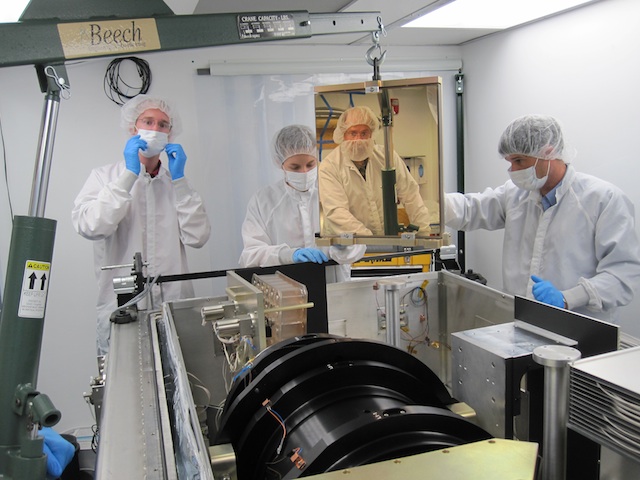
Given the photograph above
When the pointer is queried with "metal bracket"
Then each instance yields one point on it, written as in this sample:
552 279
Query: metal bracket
53 79
459 83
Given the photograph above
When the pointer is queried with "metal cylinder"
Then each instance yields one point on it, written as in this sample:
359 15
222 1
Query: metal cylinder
555 359
45 152
392 310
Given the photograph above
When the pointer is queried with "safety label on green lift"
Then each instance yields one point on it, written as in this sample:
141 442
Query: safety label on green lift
35 285
265 25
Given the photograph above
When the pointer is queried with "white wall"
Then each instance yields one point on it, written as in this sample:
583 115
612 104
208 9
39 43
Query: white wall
228 124
582 67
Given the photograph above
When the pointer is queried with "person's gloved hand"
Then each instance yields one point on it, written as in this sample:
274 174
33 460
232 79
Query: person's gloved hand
309 255
131 159
59 452
544 291
177 159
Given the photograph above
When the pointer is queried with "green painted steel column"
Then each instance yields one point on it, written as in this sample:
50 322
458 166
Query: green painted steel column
21 326
389 205
389 197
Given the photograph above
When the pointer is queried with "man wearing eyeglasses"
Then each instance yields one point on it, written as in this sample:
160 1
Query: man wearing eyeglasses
350 180
142 204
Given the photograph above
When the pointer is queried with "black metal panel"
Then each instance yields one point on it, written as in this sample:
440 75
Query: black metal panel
593 336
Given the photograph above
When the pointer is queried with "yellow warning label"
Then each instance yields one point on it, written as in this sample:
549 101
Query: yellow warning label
38 265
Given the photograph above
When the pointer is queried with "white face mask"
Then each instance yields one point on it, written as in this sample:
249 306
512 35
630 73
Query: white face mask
358 150
301 181
527 178
156 141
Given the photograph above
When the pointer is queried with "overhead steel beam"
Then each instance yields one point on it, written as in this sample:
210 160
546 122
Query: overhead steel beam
33 42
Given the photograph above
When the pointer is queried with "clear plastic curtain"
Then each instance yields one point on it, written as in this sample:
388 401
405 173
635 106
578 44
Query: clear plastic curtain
237 119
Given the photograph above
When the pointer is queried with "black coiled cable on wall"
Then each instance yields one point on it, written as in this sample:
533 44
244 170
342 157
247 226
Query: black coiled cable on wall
117 89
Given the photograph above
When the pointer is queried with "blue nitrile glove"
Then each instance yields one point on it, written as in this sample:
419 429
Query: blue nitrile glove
59 452
309 255
131 159
544 291
177 159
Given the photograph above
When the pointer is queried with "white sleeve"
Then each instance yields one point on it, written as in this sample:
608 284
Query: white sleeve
195 228
102 204
259 250
347 254
471 211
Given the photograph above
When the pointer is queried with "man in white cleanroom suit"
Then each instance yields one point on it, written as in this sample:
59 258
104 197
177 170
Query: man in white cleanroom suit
351 180
283 218
141 204
570 238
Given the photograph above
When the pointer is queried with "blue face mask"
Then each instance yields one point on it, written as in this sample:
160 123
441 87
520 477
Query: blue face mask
527 178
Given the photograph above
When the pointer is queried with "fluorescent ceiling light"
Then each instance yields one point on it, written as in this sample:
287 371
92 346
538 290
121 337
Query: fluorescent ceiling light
492 14
11 10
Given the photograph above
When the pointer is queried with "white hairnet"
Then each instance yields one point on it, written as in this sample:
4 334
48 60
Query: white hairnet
355 116
293 140
131 110
537 136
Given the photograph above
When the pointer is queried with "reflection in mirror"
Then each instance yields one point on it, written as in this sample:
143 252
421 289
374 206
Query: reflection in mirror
351 191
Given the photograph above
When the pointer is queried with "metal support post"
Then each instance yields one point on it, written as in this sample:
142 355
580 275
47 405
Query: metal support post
392 310
556 360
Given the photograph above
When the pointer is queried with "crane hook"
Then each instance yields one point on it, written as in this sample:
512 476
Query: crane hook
375 37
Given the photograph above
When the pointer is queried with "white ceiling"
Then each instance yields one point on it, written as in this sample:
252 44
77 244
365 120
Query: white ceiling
394 13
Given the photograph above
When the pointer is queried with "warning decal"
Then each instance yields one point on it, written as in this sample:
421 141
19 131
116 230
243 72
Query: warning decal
35 285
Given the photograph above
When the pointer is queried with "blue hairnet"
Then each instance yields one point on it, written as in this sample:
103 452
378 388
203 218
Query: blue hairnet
130 111
537 136
355 116
293 140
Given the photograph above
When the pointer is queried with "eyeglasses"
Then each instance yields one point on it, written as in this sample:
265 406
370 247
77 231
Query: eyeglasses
357 134
149 122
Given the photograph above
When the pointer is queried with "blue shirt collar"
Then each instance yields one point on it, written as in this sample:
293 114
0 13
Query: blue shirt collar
549 200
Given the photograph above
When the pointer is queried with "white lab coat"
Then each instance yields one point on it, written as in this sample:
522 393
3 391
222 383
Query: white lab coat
353 205
124 214
280 220
586 245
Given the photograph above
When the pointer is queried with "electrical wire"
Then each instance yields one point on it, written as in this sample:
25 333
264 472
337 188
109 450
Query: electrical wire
117 89
280 420
95 439
421 301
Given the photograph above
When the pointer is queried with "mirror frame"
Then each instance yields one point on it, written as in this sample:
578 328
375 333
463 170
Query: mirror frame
404 239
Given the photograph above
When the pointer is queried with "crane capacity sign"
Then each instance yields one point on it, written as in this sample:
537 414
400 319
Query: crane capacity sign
265 25
35 285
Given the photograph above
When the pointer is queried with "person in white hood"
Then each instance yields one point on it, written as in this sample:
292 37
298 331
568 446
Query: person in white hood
570 239
140 204
283 218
